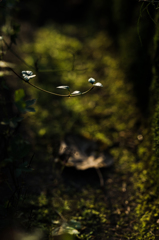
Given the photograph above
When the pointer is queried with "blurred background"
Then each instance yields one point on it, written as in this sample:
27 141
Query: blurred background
66 42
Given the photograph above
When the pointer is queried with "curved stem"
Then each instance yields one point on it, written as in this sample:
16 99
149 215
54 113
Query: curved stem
9 48
82 92
88 90
43 90
56 94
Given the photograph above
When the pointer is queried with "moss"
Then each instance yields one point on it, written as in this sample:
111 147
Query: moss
146 177
127 207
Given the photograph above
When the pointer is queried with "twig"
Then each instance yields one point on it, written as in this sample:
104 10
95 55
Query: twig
43 90
60 215
100 177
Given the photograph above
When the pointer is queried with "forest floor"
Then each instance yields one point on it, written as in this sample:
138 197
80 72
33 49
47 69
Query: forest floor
74 202
64 202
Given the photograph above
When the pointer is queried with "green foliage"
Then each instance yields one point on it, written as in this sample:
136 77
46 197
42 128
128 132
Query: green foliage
67 227
109 116
72 67
13 122
148 178
23 106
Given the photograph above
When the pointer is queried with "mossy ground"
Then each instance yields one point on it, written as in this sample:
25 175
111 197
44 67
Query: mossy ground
126 207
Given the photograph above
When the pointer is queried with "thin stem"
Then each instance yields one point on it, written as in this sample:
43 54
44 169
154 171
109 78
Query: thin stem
56 94
61 70
100 177
9 48
79 94
87 90
60 215
43 90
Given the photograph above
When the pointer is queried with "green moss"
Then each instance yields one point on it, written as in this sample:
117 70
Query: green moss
128 207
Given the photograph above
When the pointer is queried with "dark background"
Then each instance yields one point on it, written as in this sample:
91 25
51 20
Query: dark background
122 19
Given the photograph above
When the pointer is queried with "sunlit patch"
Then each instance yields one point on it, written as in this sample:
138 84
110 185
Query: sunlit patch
42 131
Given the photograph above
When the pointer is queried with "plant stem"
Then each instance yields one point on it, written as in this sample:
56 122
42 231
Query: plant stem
43 90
